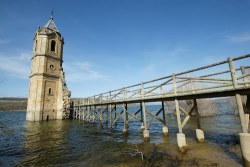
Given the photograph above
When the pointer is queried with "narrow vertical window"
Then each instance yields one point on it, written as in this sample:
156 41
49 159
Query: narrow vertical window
35 45
53 46
50 91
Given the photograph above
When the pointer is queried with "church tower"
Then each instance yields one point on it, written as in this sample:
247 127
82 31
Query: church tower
49 97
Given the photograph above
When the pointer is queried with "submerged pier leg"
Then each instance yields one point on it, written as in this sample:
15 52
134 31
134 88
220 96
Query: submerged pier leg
146 131
83 113
101 118
142 125
199 133
248 104
110 115
107 114
125 127
181 139
245 136
115 115
245 148
165 128
90 113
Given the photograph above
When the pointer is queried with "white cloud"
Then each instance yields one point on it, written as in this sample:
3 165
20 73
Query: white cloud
81 71
176 52
245 37
156 59
165 53
15 66
148 69
19 67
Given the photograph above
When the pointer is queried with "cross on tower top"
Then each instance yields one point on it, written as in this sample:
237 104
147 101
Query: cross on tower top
52 13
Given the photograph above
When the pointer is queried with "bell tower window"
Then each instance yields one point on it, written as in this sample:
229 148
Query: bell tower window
53 46
50 91
35 45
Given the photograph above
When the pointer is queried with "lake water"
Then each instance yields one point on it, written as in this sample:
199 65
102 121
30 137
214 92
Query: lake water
76 143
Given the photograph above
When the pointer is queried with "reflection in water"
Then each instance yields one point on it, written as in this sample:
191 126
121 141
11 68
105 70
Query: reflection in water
44 142
75 143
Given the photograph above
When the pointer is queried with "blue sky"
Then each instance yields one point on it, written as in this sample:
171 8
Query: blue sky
110 44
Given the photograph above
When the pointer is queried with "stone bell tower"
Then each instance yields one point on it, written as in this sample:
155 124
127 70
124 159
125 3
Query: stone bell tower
49 97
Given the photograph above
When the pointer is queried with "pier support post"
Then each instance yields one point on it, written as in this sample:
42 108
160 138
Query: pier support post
94 114
115 114
245 136
246 80
248 104
110 110
142 125
245 148
165 128
165 131
90 114
145 131
84 113
101 118
107 114
181 139
110 115
199 133
200 136
125 128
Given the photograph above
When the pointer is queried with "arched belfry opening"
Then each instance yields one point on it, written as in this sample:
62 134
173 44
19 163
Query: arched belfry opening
53 46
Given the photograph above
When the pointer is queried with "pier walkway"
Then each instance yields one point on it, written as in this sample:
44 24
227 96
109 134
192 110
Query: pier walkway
230 77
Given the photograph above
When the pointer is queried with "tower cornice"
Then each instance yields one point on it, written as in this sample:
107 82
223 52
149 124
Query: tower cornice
45 75
48 56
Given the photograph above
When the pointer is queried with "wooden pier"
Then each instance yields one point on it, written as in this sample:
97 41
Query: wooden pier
221 79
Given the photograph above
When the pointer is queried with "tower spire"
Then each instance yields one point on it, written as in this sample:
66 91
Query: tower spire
51 24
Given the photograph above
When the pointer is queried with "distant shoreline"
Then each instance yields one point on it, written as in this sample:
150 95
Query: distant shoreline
13 111
13 104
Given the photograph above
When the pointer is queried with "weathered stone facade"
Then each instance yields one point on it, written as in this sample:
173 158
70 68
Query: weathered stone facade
49 97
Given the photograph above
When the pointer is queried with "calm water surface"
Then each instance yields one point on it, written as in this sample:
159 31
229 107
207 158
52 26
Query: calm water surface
75 143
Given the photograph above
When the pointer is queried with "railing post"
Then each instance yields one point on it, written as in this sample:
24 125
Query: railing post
243 72
181 139
146 131
233 73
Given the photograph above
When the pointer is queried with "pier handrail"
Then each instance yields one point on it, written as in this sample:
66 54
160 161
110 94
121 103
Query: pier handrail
186 83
